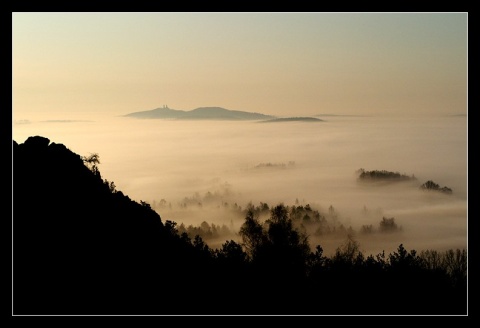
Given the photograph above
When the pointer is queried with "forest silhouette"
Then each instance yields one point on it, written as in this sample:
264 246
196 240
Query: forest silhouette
82 247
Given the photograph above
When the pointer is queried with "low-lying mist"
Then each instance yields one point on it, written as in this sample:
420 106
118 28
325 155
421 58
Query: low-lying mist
193 172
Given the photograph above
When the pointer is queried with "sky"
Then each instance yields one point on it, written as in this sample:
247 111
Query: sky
77 65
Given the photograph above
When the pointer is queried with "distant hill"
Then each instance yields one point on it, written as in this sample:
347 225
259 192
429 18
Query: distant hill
293 119
201 113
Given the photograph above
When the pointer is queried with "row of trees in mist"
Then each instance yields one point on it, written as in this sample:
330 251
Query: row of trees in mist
432 186
389 176
305 218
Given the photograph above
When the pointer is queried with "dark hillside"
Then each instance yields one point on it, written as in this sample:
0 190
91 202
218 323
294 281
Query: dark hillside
80 247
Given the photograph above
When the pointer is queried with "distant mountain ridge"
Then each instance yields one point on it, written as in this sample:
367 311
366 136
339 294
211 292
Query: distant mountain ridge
201 113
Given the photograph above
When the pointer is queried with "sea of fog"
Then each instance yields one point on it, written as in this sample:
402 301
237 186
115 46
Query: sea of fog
194 171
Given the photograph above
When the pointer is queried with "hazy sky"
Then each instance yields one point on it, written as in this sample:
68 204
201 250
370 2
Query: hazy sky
71 65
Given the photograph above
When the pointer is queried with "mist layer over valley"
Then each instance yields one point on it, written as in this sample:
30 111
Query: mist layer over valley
192 172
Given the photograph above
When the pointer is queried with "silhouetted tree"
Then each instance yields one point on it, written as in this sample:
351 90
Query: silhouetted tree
232 252
92 162
430 185
388 225
455 263
348 254
252 234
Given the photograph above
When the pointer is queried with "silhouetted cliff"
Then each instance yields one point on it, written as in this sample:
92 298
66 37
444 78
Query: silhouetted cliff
80 247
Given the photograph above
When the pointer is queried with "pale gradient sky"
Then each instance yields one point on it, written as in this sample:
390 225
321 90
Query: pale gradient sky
75 65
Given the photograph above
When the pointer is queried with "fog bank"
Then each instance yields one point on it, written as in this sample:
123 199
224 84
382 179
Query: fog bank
285 162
